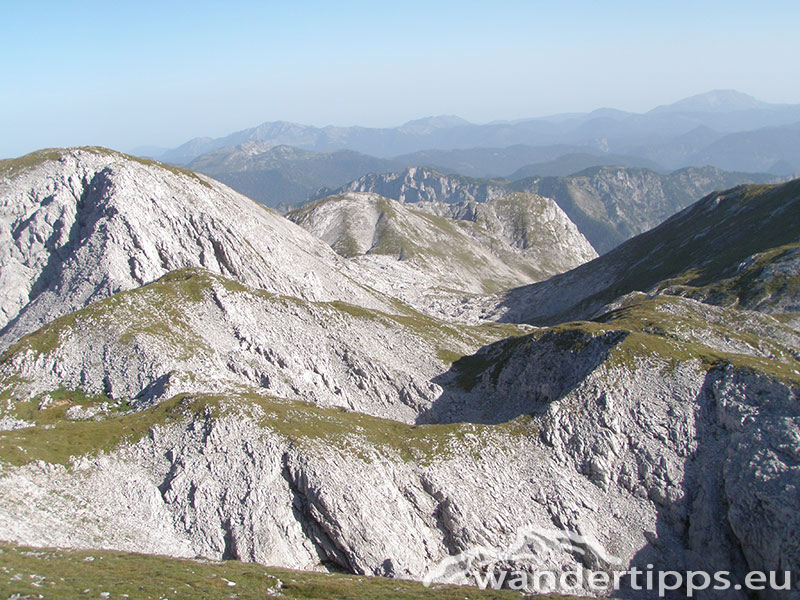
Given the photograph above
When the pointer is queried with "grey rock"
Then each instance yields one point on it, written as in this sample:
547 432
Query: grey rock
426 253
88 223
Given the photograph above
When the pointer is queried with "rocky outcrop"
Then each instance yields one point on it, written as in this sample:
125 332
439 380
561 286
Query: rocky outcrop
431 253
613 204
608 204
192 331
420 184
79 225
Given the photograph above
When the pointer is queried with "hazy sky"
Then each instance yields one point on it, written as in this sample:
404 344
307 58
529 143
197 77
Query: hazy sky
124 74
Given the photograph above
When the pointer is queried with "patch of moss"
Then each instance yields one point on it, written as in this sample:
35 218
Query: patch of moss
347 245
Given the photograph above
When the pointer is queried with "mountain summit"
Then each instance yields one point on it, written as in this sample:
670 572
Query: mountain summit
715 101
81 224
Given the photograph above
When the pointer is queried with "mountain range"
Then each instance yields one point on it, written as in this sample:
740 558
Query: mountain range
609 205
186 373
698 131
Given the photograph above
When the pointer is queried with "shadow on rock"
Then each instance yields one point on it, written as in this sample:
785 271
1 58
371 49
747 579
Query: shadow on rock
518 376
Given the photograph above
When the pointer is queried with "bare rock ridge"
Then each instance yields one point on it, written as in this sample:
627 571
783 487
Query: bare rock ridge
192 331
79 225
421 248
266 406
419 184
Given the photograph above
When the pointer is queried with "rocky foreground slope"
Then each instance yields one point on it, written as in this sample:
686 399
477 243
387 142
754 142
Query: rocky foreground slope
203 414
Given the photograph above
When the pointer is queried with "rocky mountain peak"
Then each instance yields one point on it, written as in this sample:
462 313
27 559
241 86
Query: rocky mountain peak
81 224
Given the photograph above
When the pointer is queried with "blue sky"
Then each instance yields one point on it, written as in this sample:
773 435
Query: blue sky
125 74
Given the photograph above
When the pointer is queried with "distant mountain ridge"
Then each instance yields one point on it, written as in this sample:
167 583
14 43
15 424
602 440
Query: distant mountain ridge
285 176
604 130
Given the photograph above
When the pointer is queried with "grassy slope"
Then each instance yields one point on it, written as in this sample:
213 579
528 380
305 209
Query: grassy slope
55 439
67 575
697 247
160 309
666 327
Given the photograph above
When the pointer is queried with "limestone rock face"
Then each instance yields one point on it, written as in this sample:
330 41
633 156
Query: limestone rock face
431 254
607 204
653 469
192 331
89 222
419 184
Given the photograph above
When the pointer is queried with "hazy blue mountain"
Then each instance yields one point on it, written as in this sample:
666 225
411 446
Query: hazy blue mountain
492 162
605 129
772 149
283 176
673 153
715 101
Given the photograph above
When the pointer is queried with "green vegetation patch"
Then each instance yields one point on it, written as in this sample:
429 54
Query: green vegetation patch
13 166
671 329
746 288
156 309
311 426
56 440
51 408
72 575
